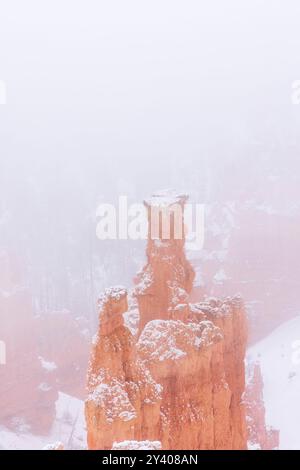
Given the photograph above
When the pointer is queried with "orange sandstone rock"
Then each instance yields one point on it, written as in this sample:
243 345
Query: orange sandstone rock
260 437
181 380
167 279
123 400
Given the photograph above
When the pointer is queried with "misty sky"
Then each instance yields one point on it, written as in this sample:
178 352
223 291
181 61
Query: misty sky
138 84
126 97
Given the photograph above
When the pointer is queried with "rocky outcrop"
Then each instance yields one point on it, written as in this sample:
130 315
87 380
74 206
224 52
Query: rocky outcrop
123 398
167 278
260 436
177 379
202 380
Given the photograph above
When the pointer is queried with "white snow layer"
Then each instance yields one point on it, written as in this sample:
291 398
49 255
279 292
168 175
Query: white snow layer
137 445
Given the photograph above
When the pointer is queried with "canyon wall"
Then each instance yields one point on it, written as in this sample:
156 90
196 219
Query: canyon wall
162 368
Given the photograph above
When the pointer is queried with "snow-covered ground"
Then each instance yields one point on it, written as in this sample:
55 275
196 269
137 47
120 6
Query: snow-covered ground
68 428
279 357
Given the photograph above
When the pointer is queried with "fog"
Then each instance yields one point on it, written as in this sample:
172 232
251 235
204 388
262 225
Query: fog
123 98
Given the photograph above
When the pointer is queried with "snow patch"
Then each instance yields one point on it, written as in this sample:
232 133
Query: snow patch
68 427
47 365
137 445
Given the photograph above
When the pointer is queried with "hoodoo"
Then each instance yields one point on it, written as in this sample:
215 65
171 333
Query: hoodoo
179 377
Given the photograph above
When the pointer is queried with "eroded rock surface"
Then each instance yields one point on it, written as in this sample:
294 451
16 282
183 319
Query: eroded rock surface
179 377
260 436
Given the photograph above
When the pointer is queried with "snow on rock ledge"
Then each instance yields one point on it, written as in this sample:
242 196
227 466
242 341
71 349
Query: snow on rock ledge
137 445
163 340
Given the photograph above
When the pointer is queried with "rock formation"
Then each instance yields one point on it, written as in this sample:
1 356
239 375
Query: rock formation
179 378
123 397
167 279
260 437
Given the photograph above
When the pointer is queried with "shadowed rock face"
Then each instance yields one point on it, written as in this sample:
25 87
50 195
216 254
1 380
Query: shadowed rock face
179 378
